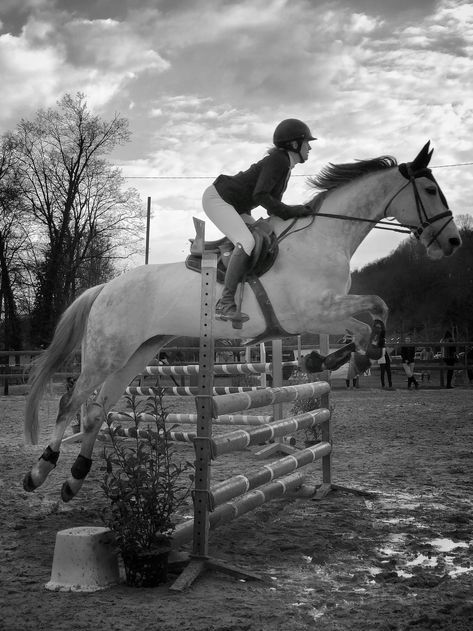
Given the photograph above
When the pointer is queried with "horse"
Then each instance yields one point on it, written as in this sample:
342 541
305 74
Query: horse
124 323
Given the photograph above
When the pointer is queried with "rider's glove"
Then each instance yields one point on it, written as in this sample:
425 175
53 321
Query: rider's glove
300 211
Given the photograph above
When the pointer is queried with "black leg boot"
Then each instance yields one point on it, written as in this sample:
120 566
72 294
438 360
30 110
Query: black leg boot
238 265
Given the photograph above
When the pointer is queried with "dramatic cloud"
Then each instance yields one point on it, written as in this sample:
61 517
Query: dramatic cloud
203 84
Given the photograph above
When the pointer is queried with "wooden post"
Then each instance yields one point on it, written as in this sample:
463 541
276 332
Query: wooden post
148 222
325 427
279 446
200 560
262 358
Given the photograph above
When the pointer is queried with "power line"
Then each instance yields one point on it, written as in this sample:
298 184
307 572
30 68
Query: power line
458 164
210 177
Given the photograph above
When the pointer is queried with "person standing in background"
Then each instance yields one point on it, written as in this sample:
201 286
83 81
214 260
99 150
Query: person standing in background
384 361
426 354
385 369
469 359
449 354
408 354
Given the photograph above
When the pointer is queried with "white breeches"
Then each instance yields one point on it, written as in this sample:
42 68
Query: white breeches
227 220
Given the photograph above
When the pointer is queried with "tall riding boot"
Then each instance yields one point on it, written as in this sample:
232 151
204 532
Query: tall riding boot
226 308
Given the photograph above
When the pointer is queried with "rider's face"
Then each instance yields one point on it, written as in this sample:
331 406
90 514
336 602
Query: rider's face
305 148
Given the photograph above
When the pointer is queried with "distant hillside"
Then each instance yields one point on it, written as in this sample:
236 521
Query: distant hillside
424 296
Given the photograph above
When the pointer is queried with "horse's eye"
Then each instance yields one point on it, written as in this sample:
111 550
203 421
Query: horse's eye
431 190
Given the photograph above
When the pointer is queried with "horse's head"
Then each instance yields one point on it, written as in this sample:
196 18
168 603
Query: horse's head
421 205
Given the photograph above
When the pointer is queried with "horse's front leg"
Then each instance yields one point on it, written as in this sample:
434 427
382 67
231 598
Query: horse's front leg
48 459
336 316
338 308
91 426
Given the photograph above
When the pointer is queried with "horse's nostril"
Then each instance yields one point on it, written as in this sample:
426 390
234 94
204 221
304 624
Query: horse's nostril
455 241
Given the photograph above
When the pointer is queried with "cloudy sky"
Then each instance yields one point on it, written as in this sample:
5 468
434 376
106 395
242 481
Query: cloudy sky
204 82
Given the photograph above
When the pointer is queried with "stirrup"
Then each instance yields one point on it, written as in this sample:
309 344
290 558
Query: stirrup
229 313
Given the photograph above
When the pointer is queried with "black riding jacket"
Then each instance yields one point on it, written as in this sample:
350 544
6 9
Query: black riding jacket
263 184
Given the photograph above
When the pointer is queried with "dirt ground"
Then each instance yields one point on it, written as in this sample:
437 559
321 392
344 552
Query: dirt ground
399 560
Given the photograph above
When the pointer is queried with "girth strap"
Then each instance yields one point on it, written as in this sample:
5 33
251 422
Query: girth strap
273 327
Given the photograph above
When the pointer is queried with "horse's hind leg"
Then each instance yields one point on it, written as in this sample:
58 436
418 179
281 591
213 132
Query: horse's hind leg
112 389
68 404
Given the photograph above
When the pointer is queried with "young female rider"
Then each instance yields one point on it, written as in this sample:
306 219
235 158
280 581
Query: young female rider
228 203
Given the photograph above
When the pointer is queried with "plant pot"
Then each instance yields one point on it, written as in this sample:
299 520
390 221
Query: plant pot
146 568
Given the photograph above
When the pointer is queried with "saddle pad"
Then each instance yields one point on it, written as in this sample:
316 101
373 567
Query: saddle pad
194 263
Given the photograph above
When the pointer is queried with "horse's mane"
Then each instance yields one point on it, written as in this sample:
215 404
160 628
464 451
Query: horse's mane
335 175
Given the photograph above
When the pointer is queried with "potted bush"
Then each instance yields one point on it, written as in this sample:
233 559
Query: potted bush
146 484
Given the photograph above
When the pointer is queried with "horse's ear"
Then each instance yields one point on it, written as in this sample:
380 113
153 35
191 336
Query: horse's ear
422 160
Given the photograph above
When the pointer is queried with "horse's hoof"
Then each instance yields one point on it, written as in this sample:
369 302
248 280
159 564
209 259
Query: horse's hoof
339 357
28 483
66 492
373 350
313 362
362 363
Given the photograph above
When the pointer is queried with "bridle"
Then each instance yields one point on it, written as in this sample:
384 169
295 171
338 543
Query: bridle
424 220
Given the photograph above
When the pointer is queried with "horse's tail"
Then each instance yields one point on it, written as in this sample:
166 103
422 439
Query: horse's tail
67 337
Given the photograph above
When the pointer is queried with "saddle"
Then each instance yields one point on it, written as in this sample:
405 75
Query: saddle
264 254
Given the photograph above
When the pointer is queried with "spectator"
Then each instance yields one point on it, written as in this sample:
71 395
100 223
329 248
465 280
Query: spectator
426 354
408 354
469 361
449 356
163 358
384 361
352 374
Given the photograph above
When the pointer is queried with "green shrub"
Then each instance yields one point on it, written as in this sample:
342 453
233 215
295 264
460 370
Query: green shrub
144 481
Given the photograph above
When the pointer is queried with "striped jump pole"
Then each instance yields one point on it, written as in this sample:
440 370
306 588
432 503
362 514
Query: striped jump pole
240 439
184 391
184 418
250 368
229 511
235 402
241 484
134 432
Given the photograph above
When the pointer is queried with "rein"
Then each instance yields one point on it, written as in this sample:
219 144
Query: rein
424 220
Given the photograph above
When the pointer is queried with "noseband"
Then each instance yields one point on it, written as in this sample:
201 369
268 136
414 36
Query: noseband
424 220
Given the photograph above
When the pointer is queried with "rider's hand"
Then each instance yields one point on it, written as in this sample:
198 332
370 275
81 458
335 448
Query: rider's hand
301 211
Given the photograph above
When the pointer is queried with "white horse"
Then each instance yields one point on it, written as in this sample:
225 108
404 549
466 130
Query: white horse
124 323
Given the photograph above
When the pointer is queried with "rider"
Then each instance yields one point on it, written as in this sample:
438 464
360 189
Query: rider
228 203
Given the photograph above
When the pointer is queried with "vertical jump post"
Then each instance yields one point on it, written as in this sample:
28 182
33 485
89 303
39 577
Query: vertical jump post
278 446
326 485
200 560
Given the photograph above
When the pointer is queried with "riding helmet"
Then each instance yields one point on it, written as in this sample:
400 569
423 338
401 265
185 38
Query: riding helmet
291 129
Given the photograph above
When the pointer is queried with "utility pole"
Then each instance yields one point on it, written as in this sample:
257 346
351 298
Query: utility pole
148 221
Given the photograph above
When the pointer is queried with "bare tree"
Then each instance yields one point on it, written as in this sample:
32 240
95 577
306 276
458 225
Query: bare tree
13 237
76 200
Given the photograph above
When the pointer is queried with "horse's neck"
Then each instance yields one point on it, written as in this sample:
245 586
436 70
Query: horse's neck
364 199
